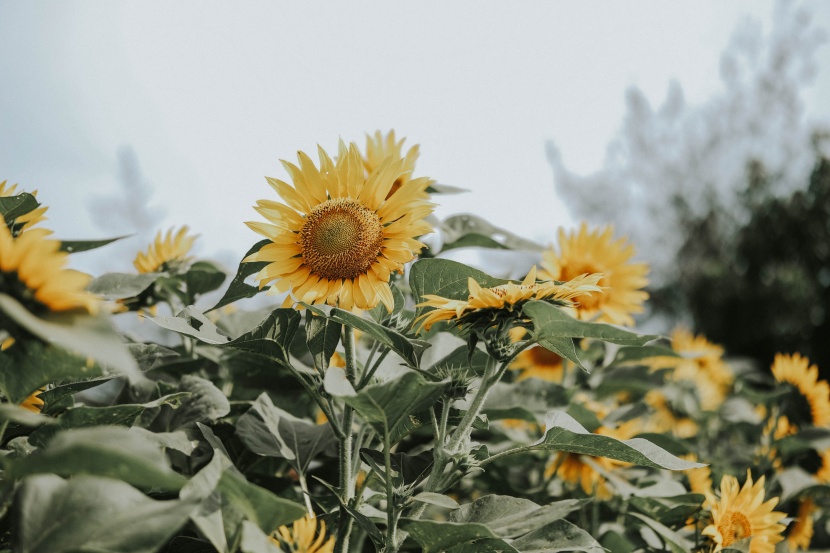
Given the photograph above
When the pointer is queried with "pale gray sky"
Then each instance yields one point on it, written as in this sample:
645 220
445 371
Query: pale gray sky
209 95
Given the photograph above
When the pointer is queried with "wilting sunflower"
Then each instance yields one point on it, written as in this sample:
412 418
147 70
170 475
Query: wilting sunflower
167 252
340 238
536 362
741 513
813 405
303 537
801 530
488 304
33 403
380 148
585 251
28 220
32 272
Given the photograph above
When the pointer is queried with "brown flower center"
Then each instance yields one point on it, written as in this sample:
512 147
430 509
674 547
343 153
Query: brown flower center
341 238
734 526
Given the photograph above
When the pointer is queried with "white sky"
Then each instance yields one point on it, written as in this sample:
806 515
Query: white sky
211 94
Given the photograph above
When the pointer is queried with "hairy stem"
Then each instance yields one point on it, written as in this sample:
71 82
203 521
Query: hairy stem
344 528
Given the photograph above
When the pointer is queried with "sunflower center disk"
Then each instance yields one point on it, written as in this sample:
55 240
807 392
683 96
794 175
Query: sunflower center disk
734 526
341 238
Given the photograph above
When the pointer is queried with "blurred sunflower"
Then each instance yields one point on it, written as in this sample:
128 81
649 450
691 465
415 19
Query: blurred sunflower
340 238
488 304
167 252
33 403
536 362
379 148
702 365
664 419
28 220
812 405
301 537
32 272
585 251
741 513
801 530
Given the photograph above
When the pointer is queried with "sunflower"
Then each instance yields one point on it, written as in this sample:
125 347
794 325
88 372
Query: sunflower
536 362
340 238
813 394
741 513
33 403
168 252
380 148
801 531
28 220
31 271
700 364
664 419
596 252
487 303
301 537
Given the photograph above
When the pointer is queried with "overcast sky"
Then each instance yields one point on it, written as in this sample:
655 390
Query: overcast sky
210 95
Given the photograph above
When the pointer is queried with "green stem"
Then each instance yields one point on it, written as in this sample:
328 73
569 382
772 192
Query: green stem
470 416
391 523
371 372
344 527
3 428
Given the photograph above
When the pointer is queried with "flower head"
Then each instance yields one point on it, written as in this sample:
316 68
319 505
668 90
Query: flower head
28 220
585 251
32 272
340 236
700 364
33 403
801 530
379 148
303 537
488 305
166 252
741 513
812 395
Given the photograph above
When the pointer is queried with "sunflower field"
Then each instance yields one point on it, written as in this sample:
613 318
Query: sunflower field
379 396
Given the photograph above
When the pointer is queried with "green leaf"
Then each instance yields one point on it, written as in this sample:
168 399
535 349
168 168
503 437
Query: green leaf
388 404
564 433
205 402
85 335
410 469
391 338
455 537
322 336
676 542
532 395
459 363
203 277
13 207
89 514
19 415
445 278
192 322
671 511
76 246
558 536
272 337
511 517
270 431
119 286
551 322
53 398
632 354
474 240
105 451
458 226
436 188
238 289
437 499
379 312
255 540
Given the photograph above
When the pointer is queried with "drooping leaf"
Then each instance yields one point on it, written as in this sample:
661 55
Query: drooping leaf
268 430
474 240
89 513
437 499
192 322
119 286
455 537
675 542
551 322
389 337
238 289
76 246
632 354
322 335
203 277
458 226
272 337
560 535
670 511
511 517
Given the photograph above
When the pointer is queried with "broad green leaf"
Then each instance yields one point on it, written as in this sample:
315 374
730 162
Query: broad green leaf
389 337
177 441
13 207
437 499
445 278
203 277
148 355
564 433
192 322
632 354
89 514
379 312
272 337
676 542
455 537
106 451
560 535
270 431
238 289
85 335
551 322
388 404
670 511
511 517
322 335
206 402
119 286
76 246
53 398
458 226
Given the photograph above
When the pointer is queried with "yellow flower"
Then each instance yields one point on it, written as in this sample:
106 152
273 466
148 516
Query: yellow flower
596 252
33 403
166 252
701 364
741 513
663 419
504 297
796 370
301 537
379 148
536 362
801 531
30 219
31 271
340 238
